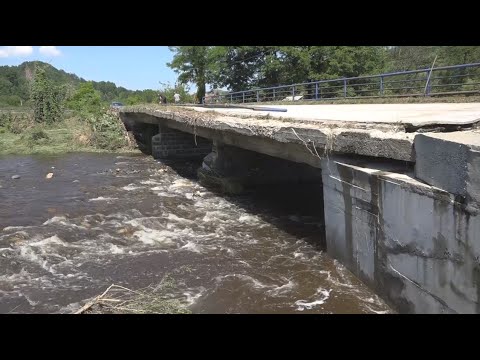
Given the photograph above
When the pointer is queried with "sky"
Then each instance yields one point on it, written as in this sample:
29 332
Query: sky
133 67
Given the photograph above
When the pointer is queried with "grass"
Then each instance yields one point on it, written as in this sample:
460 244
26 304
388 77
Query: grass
24 137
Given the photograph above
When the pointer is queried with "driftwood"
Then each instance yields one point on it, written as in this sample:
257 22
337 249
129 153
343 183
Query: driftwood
94 301
144 301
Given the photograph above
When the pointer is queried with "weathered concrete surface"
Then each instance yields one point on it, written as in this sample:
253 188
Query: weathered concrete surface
450 161
410 114
413 243
293 140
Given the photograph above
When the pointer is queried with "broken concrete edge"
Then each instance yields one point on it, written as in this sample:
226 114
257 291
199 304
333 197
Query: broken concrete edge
451 162
377 141
409 182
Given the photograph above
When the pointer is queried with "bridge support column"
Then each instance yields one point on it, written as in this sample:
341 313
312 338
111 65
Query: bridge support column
174 144
414 244
233 170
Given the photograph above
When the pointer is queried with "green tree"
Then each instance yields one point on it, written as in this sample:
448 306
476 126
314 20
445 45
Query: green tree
193 64
235 67
86 99
47 98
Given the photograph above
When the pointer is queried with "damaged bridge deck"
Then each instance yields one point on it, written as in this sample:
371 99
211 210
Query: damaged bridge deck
386 130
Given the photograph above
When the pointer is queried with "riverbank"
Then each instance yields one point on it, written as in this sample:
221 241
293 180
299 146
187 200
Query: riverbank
20 135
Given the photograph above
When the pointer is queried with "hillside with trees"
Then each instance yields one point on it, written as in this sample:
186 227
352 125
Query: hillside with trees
15 86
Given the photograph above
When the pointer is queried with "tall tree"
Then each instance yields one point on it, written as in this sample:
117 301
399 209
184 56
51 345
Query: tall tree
46 97
193 64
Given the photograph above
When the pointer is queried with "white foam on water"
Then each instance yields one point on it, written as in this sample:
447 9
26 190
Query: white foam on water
28 254
215 215
150 182
249 219
48 241
70 308
160 192
283 288
229 251
22 233
22 275
255 283
31 302
298 254
149 223
8 228
101 198
152 237
184 207
377 311
114 249
191 246
200 193
173 217
192 297
62 220
55 219
182 183
303 304
131 187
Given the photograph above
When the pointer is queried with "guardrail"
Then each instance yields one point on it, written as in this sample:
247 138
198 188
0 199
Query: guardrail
445 80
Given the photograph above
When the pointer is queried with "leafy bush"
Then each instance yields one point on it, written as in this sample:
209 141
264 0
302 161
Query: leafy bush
86 100
38 134
108 131
16 123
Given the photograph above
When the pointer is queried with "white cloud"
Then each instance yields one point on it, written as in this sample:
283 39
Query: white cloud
49 51
20 51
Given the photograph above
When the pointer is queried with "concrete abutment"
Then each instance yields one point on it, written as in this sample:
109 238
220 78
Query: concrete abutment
413 243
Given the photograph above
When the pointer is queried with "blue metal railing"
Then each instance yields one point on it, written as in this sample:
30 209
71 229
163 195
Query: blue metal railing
445 80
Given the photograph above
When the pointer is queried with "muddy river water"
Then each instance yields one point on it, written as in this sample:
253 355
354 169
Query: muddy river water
107 219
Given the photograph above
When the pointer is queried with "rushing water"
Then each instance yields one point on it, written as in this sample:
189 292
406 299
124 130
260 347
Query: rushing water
132 221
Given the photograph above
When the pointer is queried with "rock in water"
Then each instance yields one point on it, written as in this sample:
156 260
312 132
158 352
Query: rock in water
14 177
49 175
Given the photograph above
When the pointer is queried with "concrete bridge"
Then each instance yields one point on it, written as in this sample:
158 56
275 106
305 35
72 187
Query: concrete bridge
401 184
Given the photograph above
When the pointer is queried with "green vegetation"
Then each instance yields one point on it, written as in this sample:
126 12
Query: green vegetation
67 135
16 83
193 64
249 67
46 98
48 128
